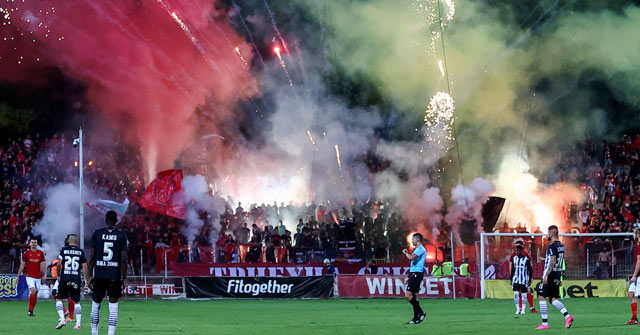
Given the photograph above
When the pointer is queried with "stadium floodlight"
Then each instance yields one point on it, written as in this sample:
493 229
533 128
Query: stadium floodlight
483 251
77 143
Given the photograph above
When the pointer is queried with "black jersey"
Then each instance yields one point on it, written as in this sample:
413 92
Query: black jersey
555 249
109 243
72 259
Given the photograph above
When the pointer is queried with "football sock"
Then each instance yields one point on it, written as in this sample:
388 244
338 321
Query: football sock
420 311
634 310
60 308
78 310
71 307
113 317
95 317
524 297
33 298
516 298
415 310
544 312
560 306
530 300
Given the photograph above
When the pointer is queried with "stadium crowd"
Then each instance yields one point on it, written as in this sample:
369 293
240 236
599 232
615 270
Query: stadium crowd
609 174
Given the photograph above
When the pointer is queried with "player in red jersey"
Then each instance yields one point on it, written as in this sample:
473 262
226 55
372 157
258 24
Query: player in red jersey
33 261
634 284
532 308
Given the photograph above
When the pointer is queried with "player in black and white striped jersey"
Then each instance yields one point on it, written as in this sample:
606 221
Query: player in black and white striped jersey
521 276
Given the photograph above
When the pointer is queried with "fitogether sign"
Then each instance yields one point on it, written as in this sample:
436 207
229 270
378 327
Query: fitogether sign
259 287
501 289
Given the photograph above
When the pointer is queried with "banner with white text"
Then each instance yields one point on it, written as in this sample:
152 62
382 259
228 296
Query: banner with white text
259 287
377 286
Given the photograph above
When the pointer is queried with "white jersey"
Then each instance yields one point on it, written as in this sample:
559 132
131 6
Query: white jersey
522 270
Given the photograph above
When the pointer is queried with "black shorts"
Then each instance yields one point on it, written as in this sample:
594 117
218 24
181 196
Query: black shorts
415 279
112 288
552 289
68 289
520 288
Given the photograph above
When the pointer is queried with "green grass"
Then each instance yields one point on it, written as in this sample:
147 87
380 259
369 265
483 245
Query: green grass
366 316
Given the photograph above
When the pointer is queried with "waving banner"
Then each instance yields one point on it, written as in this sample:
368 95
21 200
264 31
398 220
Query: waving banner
163 195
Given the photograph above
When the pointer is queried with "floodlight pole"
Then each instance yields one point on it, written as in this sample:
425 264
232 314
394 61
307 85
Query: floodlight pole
453 267
80 183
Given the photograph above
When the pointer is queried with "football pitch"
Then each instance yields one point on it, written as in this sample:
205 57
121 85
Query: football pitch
332 316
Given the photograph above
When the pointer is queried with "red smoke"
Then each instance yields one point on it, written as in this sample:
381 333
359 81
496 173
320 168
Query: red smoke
143 72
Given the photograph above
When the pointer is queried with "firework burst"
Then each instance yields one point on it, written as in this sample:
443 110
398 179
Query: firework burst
438 119
427 13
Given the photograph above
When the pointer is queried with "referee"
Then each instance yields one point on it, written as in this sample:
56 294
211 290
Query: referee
416 274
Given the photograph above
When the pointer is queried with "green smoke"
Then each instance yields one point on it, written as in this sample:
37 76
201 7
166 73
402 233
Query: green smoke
587 57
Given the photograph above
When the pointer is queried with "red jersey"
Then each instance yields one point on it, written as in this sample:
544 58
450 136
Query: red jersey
33 260
636 253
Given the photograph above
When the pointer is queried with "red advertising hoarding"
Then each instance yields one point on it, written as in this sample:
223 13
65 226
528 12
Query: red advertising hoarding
385 286
286 269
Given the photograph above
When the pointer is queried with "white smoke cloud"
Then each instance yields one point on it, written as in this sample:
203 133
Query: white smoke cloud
199 199
61 217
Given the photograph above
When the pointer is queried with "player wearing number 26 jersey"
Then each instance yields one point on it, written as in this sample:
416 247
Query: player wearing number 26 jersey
72 263
109 265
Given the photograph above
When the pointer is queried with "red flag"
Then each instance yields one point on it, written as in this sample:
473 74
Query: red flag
163 195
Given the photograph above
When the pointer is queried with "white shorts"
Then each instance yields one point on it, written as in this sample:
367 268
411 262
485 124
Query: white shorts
33 282
635 287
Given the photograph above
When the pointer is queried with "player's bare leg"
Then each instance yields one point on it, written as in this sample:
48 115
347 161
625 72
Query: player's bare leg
634 309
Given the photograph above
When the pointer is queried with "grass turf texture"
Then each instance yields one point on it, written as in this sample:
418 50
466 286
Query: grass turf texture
361 316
